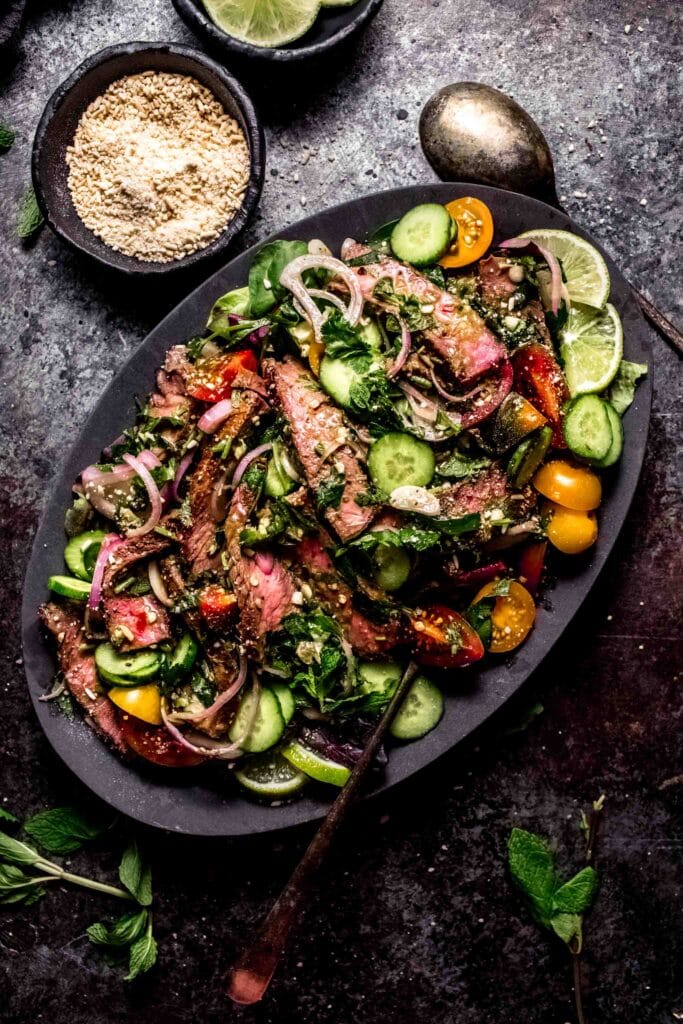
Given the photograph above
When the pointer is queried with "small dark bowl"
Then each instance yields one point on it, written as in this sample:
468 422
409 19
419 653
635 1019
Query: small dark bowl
61 116
332 27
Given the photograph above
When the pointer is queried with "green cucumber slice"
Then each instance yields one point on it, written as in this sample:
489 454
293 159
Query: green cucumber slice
126 669
69 586
392 566
278 481
528 456
285 699
181 659
587 429
337 377
314 765
80 554
379 677
423 234
371 334
396 460
270 776
268 726
614 451
420 711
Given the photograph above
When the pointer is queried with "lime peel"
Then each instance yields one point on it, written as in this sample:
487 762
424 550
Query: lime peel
591 346
265 23
584 268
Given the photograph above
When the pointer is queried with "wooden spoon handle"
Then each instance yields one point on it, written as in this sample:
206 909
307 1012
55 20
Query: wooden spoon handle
251 975
660 322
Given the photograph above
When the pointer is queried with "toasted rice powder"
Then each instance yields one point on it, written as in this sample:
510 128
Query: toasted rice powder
157 169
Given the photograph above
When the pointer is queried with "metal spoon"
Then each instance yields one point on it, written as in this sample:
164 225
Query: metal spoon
472 132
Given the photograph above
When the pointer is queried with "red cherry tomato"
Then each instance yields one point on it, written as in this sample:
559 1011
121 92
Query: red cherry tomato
155 744
217 607
539 378
443 639
211 379
531 562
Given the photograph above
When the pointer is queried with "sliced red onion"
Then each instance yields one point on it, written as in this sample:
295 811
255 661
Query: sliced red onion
215 416
214 748
324 296
221 700
424 408
111 541
447 394
157 584
180 472
404 352
316 247
287 464
247 460
265 562
153 493
551 260
291 278
218 505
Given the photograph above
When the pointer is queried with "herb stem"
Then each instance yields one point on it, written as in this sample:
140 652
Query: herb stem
578 998
54 871
591 843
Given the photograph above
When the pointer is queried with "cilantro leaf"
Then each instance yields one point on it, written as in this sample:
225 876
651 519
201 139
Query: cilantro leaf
577 895
265 290
135 875
342 341
63 829
30 216
622 390
371 400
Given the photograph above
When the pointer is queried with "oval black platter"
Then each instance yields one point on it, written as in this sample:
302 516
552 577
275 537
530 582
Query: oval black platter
206 801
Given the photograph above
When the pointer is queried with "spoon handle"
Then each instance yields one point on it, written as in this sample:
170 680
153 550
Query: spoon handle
254 969
660 322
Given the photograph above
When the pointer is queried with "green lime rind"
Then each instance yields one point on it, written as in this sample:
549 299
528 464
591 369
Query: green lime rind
270 776
585 270
591 347
265 23
314 765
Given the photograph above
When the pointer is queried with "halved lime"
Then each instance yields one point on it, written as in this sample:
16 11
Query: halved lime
264 22
591 346
270 775
584 268
315 765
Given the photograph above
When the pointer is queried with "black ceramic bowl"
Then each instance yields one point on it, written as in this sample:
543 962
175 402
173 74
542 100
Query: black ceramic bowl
61 116
332 27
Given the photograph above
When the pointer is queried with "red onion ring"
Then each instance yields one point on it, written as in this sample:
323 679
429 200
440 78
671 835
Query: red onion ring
111 541
215 416
223 698
551 260
247 460
404 352
423 407
153 493
447 395
157 584
180 472
214 748
218 505
265 562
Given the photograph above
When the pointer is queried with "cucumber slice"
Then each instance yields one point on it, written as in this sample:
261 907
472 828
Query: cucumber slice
528 456
338 375
379 676
398 460
285 699
69 586
181 659
615 448
423 234
268 726
270 776
80 554
587 428
314 765
420 712
392 566
371 334
126 669
278 480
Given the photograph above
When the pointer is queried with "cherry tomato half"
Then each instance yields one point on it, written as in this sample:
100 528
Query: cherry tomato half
539 378
531 562
569 531
155 744
512 617
143 702
443 639
475 231
574 487
211 379
217 606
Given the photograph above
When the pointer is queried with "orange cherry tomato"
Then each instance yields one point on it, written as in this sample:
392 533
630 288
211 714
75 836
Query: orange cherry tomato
571 532
211 379
143 702
475 232
316 351
512 617
155 744
574 487
444 639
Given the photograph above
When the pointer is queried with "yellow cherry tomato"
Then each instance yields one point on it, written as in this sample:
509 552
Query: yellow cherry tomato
574 487
315 353
475 231
512 617
143 702
571 532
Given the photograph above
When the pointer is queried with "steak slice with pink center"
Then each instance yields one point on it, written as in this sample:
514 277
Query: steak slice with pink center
135 622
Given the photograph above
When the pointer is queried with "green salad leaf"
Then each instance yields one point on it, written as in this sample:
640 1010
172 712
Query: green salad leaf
30 216
622 390
265 290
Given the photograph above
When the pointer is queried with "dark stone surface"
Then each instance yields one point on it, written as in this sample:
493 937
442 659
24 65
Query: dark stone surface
415 920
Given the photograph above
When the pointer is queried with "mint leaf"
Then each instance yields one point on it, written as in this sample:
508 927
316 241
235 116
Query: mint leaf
533 869
136 876
63 829
143 954
6 816
15 852
568 928
576 895
30 217
7 137
621 391
123 932
18 887
460 465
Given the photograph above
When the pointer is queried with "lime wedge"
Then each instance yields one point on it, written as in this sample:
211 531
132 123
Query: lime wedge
270 775
264 22
314 765
591 347
584 268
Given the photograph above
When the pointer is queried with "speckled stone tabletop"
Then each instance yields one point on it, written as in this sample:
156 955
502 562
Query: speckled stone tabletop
415 920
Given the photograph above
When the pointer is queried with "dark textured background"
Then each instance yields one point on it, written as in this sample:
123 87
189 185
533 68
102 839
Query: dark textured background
415 920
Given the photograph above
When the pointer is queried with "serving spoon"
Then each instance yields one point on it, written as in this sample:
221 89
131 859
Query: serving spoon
472 132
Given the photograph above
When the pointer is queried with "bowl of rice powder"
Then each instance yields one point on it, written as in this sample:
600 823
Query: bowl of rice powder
149 158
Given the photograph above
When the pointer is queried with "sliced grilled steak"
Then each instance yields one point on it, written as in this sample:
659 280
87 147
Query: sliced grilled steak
135 622
170 400
80 674
199 538
126 554
317 425
489 489
496 289
458 335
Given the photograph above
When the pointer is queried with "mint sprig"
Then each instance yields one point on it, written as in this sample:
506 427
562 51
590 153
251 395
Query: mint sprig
63 829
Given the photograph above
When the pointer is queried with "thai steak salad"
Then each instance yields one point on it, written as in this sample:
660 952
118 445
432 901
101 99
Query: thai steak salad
361 463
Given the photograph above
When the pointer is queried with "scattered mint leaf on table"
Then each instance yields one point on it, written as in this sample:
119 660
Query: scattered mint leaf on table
30 216
63 829
122 932
7 137
6 816
136 876
18 887
143 953
15 852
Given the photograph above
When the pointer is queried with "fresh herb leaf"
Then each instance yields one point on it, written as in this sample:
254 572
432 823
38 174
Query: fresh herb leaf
135 875
408 307
283 519
460 465
436 275
6 816
450 527
235 302
371 399
265 290
568 928
122 932
622 390
576 896
15 852
330 490
7 137
479 617
18 887
63 829
30 217
143 953
203 688
254 478
342 341
532 867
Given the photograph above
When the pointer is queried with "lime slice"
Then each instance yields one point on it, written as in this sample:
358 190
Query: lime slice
264 22
314 765
584 268
270 775
338 3
592 344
